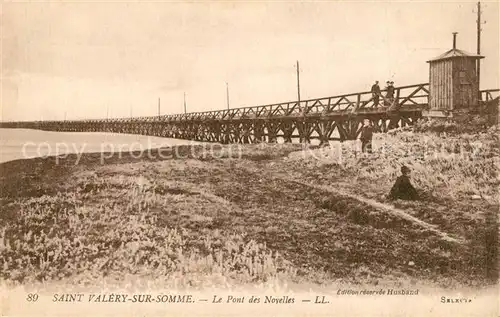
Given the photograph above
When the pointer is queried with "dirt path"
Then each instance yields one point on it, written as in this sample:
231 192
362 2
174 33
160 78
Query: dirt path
378 205
384 207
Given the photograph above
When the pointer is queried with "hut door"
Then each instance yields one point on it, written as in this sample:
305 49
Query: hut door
465 87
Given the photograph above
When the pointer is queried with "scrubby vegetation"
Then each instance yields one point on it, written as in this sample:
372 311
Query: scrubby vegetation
252 217
454 167
475 120
117 226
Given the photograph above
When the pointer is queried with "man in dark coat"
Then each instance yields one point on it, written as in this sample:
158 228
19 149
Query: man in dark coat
402 188
366 136
375 94
389 95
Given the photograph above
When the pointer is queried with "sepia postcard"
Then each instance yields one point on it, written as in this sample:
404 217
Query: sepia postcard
249 158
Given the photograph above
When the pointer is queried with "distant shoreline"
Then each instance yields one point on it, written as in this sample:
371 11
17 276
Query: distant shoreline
28 143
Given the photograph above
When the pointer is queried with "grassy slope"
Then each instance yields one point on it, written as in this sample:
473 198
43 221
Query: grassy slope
208 221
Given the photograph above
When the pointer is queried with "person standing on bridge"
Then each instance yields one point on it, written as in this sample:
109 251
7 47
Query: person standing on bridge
375 94
389 96
366 136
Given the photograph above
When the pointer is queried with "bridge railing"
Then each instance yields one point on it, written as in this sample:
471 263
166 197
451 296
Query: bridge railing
489 94
412 95
405 97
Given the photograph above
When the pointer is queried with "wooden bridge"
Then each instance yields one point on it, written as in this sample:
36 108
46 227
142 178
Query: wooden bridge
329 118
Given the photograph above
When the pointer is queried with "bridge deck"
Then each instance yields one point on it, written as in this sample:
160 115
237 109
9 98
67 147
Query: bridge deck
328 118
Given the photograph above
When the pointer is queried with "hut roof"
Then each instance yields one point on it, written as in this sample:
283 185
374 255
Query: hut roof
453 53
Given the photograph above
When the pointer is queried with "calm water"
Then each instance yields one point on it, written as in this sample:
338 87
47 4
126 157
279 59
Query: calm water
25 143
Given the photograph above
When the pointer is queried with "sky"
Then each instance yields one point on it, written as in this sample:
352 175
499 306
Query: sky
85 59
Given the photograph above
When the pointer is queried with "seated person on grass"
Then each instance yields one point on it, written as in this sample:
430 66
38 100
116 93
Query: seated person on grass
402 188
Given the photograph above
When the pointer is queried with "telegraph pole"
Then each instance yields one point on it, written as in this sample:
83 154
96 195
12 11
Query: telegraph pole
185 111
478 44
158 107
298 82
479 22
227 95
298 102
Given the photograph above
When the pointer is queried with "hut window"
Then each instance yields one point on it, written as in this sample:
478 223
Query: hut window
462 75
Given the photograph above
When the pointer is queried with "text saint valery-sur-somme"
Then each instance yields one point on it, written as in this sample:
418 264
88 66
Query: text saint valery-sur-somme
122 298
